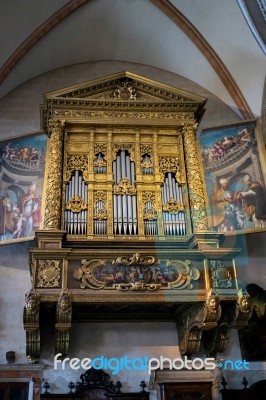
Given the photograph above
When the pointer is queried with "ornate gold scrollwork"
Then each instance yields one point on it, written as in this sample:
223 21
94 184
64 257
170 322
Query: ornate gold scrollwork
63 322
76 162
49 273
185 274
125 90
173 206
137 286
221 275
136 273
31 325
150 214
124 115
146 149
148 196
126 147
76 204
99 195
137 258
124 187
100 215
100 148
84 274
52 214
171 164
195 179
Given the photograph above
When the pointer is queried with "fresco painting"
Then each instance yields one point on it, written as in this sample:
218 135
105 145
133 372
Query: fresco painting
235 185
22 162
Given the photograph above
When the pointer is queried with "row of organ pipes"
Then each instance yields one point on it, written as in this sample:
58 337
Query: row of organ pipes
76 222
100 224
150 225
100 164
125 206
174 223
146 160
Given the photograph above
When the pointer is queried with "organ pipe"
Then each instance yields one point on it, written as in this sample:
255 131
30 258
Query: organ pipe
76 190
125 204
173 217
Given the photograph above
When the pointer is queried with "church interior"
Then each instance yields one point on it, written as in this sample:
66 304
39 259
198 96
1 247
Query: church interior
133 199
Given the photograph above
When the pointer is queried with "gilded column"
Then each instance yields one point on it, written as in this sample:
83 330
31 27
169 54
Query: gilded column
195 179
52 214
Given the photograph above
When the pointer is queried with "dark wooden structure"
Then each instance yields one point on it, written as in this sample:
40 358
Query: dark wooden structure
96 385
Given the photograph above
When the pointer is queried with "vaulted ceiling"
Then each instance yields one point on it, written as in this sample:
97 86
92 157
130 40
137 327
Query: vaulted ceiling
206 41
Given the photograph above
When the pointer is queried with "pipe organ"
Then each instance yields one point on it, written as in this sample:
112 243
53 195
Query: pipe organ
126 218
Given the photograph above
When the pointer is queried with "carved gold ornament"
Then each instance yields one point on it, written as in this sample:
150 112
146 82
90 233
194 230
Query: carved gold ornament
150 215
145 149
221 275
52 214
169 164
100 215
77 162
136 273
141 115
124 187
196 193
99 195
125 90
100 163
76 204
137 258
100 148
173 206
49 273
124 147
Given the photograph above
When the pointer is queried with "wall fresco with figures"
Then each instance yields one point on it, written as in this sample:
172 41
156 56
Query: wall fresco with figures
235 185
22 162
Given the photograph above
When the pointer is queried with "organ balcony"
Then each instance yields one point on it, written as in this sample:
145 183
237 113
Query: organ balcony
125 233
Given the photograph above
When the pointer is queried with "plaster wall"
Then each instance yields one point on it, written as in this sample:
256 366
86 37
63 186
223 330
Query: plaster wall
20 109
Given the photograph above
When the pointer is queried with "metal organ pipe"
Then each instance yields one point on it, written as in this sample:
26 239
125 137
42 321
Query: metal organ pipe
76 222
115 199
129 198
125 205
174 223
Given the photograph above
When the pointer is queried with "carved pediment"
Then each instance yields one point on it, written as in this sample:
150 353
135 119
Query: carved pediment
125 86
122 92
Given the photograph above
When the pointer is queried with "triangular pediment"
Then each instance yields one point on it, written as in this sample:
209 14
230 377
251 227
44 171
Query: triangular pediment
125 86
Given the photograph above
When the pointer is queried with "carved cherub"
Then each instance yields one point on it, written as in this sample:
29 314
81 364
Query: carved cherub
64 302
32 301
244 303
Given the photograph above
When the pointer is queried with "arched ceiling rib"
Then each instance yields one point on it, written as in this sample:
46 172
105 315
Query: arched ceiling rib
183 23
166 8
37 34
